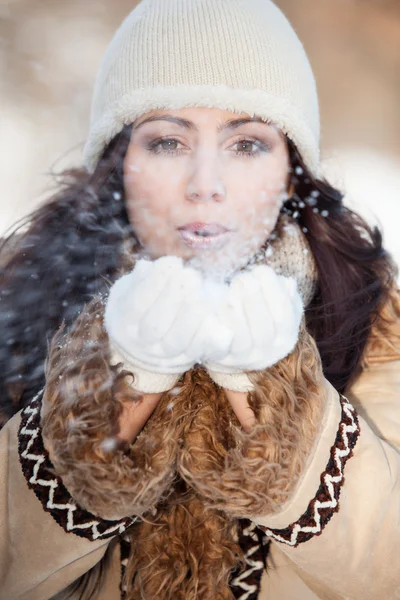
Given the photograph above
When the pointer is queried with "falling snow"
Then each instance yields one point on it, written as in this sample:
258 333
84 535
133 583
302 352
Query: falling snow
109 444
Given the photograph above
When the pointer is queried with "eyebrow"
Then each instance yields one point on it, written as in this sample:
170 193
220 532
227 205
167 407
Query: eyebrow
231 124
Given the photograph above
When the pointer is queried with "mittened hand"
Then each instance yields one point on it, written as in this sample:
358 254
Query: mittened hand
264 311
150 318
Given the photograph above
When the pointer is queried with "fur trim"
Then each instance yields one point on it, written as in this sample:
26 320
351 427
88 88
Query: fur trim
80 417
245 580
163 549
185 552
257 473
253 102
49 488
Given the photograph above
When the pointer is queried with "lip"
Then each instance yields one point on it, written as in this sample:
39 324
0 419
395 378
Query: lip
208 228
204 235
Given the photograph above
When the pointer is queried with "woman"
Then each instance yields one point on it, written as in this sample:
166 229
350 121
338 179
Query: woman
200 342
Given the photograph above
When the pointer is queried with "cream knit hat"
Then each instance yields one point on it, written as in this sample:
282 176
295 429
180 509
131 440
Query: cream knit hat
238 55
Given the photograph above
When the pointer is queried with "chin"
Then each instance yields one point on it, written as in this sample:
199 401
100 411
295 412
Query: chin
223 264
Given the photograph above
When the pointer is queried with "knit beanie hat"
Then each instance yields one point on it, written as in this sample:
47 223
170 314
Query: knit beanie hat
237 55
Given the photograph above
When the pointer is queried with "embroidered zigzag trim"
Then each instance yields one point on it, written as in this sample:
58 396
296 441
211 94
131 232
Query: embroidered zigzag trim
49 489
125 550
245 584
326 501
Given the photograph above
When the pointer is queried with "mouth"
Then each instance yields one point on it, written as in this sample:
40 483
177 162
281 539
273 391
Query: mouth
204 235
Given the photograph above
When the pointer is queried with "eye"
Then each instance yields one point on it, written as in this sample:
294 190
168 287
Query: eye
249 143
165 146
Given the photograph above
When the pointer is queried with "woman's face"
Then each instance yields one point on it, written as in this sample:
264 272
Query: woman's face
204 184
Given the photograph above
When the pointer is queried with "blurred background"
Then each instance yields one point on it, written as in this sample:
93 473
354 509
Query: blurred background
50 51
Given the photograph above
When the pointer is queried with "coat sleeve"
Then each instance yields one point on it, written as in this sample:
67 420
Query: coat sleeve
340 528
47 541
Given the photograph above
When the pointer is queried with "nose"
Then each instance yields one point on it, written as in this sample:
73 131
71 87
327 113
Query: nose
205 182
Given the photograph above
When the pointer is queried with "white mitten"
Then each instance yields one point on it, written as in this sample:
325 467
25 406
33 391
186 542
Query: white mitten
263 310
154 319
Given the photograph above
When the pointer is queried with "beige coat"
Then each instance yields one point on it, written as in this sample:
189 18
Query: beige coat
355 555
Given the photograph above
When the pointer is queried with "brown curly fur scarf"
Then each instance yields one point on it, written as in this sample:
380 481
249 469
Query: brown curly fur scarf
193 472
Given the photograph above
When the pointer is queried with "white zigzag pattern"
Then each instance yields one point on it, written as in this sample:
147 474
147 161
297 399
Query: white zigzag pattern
255 565
329 481
52 484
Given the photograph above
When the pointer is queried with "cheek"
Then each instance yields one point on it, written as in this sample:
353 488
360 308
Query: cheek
258 202
261 213
271 191
147 196
258 199
153 182
269 211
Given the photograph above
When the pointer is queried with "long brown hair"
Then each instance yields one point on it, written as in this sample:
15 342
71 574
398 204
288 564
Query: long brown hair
70 249
355 272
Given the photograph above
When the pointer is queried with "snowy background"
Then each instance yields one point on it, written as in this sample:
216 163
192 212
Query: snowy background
50 51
